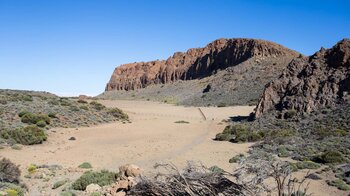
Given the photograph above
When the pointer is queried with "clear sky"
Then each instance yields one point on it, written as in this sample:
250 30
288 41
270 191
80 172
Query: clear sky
71 47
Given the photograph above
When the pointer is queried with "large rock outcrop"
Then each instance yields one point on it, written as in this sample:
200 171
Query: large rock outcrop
307 84
195 63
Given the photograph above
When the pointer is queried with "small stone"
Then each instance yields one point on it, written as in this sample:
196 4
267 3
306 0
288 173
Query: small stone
72 138
129 170
120 193
313 177
132 181
92 188
123 185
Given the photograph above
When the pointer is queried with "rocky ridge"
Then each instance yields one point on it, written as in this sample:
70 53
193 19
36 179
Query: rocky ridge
309 83
196 63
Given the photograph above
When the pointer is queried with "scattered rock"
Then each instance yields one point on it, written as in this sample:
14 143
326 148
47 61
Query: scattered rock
129 170
207 89
123 185
72 138
313 177
120 193
92 188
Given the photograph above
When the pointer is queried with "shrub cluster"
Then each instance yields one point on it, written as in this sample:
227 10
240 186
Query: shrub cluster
30 118
331 156
85 165
97 106
9 172
101 178
27 136
238 133
116 112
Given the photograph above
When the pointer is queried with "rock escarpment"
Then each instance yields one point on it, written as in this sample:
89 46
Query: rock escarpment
307 84
195 63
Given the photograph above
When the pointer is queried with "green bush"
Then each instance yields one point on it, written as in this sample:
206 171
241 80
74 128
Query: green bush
41 124
97 106
282 151
26 98
30 118
9 172
65 102
101 178
32 168
181 122
290 114
220 105
53 102
116 112
340 184
82 101
223 137
11 192
322 132
27 136
331 156
238 134
216 169
85 165
67 193
236 158
307 165
3 102
59 184
52 115
23 113
74 108
84 107
12 189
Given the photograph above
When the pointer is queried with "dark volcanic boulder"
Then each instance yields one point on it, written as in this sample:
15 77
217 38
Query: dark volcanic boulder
307 84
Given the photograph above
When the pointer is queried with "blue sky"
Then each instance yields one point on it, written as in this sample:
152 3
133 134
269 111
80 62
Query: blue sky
71 47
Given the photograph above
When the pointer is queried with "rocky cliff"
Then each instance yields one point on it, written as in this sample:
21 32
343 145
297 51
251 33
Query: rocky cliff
195 63
307 84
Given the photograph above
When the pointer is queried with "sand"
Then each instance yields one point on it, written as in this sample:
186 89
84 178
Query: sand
151 137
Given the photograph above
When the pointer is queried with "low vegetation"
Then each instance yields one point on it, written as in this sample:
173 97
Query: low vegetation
182 122
85 165
26 123
59 184
312 140
340 184
27 135
9 172
101 178
10 178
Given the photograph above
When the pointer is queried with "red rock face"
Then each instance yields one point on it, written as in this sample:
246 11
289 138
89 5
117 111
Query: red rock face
322 79
193 64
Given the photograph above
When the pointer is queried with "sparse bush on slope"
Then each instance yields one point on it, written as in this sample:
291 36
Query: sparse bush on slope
101 178
9 172
27 136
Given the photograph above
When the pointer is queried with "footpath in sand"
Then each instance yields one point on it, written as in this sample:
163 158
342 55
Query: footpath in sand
151 137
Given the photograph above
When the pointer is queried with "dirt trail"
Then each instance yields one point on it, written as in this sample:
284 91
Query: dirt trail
153 136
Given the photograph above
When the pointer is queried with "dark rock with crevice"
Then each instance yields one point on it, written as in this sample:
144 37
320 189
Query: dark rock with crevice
307 84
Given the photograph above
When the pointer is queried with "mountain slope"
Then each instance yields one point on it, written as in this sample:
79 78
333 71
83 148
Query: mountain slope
229 71
321 80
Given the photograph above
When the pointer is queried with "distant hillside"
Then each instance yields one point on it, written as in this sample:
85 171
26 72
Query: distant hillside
226 71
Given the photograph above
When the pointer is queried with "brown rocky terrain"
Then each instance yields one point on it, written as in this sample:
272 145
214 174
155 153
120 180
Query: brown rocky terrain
321 80
226 71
